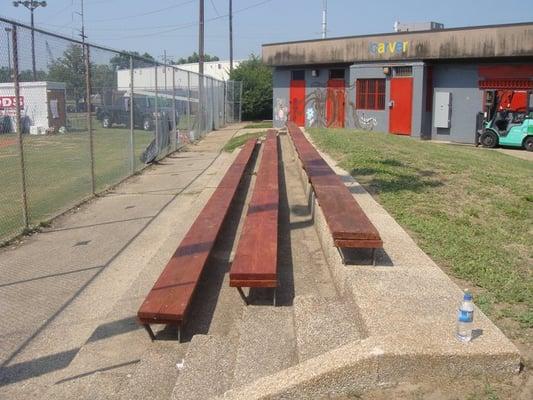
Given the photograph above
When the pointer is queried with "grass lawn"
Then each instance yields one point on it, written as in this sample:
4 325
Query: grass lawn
470 209
58 171
259 125
238 141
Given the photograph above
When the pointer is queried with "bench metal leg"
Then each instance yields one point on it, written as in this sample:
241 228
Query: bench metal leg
374 257
275 301
243 296
150 331
179 333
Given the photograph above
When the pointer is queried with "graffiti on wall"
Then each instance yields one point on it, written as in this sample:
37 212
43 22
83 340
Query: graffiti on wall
361 121
281 111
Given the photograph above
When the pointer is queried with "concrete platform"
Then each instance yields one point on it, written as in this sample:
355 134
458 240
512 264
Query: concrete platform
406 307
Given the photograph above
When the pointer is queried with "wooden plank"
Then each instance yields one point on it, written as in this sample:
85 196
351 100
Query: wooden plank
347 222
255 262
170 297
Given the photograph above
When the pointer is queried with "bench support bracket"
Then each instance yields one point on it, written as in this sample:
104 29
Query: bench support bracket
150 331
243 296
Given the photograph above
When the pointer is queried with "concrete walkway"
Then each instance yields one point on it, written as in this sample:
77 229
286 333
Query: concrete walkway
65 292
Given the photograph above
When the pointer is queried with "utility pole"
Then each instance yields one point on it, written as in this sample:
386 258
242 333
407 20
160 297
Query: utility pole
31 5
201 40
230 36
324 18
82 23
165 62
201 67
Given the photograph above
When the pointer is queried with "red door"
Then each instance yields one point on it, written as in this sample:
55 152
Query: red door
297 102
401 111
335 103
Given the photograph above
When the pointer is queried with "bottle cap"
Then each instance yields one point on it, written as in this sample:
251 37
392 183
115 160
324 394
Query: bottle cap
467 295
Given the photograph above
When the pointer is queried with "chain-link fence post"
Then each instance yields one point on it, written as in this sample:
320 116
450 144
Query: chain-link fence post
189 126
132 119
156 111
240 101
24 196
88 112
174 122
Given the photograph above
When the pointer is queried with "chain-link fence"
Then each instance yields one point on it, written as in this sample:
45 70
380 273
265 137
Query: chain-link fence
77 118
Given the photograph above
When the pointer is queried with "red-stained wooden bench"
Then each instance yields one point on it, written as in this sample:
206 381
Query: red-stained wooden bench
169 299
255 261
347 222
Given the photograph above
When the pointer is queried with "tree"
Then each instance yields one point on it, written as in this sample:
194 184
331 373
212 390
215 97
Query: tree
70 69
122 60
194 58
256 78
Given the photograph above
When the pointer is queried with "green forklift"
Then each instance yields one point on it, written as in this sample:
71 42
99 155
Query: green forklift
508 119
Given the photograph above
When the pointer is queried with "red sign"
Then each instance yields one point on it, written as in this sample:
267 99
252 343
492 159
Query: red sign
10 102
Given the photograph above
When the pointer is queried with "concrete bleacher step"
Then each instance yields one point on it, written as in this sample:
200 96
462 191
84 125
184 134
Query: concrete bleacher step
266 343
322 325
207 369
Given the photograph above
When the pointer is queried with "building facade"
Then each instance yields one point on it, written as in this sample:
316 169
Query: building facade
428 84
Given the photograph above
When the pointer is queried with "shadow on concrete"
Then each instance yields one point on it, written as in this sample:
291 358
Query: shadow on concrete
36 367
124 364
364 257
285 291
42 365
109 329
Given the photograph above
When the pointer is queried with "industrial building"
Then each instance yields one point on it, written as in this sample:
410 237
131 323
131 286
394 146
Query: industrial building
430 84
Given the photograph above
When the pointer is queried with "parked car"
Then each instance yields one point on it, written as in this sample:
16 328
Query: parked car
144 114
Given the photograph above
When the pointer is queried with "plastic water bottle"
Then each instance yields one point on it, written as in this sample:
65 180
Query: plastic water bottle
465 318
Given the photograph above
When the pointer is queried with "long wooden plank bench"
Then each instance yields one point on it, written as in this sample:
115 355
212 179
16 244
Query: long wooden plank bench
169 299
255 261
347 222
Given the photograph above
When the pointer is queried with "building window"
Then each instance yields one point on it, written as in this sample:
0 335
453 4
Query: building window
370 94
336 74
298 75
403 71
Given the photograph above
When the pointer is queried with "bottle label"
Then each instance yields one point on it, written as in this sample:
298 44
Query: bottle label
466 316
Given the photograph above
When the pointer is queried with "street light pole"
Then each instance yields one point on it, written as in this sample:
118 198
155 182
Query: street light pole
31 5
8 31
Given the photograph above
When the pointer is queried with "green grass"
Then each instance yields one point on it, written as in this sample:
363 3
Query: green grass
259 125
238 141
470 209
58 172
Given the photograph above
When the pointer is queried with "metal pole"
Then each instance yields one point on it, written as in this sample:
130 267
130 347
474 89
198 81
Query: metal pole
8 49
240 102
324 19
132 120
201 68
18 125
230 36
189 127
88 112
156 110
175 128
33 47
165 61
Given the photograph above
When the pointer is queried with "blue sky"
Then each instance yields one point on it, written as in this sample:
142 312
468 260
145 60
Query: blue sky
154 26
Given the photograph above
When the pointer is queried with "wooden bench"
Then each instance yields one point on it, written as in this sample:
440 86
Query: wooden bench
347 222
255 261
169 299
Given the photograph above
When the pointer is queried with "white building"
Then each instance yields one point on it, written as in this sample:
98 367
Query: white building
145 78
42 105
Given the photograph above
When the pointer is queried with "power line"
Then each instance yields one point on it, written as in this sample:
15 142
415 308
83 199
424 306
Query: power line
214 7
144 14
189 24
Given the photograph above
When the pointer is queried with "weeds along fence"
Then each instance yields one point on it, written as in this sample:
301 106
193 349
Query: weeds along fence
77 118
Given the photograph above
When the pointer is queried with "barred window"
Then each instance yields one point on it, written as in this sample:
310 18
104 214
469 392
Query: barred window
370 94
